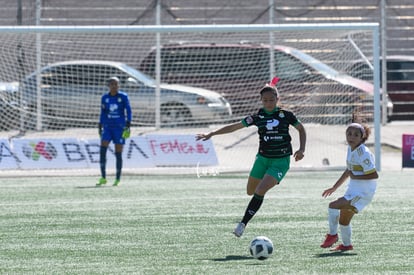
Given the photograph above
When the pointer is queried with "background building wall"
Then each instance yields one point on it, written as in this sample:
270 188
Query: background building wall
400 14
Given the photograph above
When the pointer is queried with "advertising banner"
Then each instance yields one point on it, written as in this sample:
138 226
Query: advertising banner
407 150
138 152
44 153
181 150
8 160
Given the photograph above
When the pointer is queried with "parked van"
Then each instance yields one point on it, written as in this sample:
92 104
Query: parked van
400 82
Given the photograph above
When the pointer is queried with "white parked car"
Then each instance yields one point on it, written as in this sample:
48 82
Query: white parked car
71 93
9 105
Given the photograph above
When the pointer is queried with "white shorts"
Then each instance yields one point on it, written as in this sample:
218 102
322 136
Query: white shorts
360 193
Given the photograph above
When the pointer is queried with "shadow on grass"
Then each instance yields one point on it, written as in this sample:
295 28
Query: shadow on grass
335 254
93 186
232 258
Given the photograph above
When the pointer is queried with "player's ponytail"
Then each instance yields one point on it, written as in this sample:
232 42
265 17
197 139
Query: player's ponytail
271 87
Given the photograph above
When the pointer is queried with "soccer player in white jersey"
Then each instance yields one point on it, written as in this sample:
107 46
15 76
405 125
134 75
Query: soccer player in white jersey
361 188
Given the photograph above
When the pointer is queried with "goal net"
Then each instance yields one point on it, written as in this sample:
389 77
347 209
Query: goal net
52 78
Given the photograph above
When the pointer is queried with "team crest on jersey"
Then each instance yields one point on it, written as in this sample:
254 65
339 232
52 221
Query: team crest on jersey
113 107
119 99
249 120
281 114
367 162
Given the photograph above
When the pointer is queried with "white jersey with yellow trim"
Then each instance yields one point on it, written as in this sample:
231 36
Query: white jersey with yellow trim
360 161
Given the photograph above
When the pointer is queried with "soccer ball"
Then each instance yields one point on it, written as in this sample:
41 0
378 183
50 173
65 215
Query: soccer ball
261 248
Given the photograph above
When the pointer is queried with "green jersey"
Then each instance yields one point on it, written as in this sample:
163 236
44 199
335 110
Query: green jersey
273 130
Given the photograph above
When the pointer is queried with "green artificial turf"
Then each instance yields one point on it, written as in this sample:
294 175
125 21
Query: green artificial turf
182 225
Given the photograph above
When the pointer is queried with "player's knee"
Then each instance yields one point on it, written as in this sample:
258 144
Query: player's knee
336 204
332 205
353 209
344 222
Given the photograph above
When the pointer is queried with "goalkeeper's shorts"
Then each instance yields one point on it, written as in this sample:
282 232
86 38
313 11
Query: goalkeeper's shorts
113 134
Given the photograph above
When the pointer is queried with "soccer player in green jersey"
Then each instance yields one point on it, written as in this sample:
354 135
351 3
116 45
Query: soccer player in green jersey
275 148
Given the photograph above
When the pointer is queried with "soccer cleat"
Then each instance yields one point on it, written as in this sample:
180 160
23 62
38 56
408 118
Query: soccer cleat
329 240
101 181
238 231
342 247
116 182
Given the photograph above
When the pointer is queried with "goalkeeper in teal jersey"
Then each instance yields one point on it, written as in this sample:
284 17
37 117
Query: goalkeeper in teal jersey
114 125
275 148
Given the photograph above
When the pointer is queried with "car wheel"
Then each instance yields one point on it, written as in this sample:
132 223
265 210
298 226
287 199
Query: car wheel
174 115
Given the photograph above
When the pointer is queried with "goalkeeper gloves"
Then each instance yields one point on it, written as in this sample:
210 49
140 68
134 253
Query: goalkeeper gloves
127 131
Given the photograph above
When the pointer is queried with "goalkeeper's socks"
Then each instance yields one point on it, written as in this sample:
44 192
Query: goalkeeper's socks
102 160
252 208
118 157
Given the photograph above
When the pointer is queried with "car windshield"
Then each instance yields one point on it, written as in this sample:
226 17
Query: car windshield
147 80
314 63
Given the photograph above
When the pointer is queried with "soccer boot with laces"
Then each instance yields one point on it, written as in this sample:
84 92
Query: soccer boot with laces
342 247
102 181
329 240
116 182
238 231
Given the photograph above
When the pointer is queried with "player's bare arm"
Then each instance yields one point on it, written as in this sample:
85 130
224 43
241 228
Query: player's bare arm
338 183
299 154
224 130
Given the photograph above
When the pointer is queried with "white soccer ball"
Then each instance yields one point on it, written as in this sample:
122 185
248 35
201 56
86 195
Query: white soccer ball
261 248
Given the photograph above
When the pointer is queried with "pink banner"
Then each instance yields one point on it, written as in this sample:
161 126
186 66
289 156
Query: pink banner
407 150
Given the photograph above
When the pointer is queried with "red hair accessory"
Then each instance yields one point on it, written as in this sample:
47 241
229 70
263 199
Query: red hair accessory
274 81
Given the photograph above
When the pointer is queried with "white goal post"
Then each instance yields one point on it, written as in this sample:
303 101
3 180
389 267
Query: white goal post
57 75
